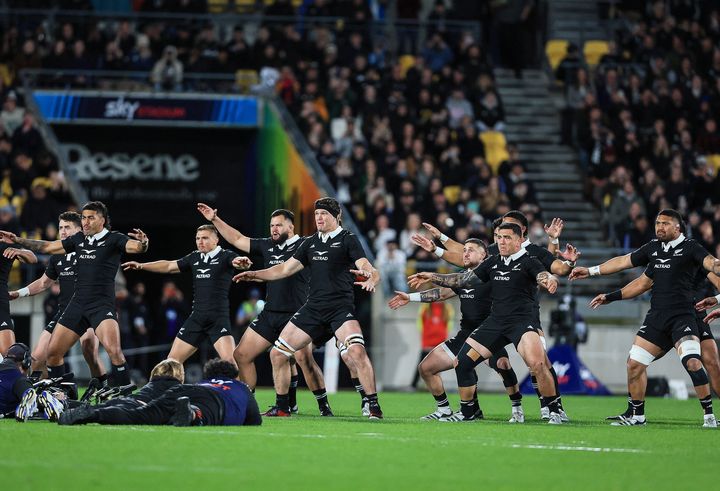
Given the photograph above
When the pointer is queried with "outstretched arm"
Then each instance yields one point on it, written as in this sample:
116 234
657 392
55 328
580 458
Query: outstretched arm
154 267
553 232
43 246
709 302
565 267
712 264
453 257
453 280
277 272
450 244
611 266
23 255
635 288
37 286
367 271
232 235
139 242
428 296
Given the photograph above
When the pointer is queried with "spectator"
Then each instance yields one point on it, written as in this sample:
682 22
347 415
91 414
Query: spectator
458 108
11 115
167 74
490 114
391 262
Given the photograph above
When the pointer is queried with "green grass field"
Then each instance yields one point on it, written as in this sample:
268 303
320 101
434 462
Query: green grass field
400 452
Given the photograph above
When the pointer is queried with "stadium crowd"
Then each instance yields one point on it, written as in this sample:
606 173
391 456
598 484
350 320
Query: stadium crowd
645 121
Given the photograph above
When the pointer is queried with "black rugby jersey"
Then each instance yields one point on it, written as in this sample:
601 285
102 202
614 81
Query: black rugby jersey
330 263
475 303
5 267
212 276
97 262
288 294
513 284
674 267
61 268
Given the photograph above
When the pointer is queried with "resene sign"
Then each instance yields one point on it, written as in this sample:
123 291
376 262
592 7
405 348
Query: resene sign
119 108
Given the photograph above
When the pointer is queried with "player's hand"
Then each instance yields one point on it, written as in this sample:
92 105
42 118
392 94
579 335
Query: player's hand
598 301
423 242
131 265
417 280
242 262
367 284
579 273
706 303
547 281
246 276
712 316
399 300
7 237
12 253
433 230
209 213
139 235
570 253
14 295
555 228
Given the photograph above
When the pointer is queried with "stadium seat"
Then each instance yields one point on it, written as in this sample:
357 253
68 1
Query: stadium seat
594 50
406 61
217 6
495 149
714 161
452 194
555 50
244 79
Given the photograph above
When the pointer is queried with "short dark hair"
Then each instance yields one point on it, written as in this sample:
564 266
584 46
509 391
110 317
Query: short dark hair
482 245
519 216
511 226
331 205
496 223
98 207
289 215
71 216
669 212
209 228
217 368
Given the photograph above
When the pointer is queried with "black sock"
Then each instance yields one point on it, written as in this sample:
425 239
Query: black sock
292 393
442 400
321 396
468 408
36 374
282 401
516 399
552 404
103 378
54 372
121 374
537 391
629 410
706 404
555 380
638 407
358 387
371 398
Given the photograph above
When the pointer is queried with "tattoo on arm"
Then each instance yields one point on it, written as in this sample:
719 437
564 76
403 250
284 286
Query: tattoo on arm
429 296
455 280
542 276
33 245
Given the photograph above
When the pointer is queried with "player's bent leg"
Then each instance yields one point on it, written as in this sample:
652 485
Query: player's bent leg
61 341
291 339
39 353
314 379
711 362
251 346
642 354
688 349
350 334
364 406
7 339
502 366
438 360
90 349
225 347
108 333
471 355
531 349
181 350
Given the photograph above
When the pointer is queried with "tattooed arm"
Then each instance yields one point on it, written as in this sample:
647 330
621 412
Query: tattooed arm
454 280
428 296
43 246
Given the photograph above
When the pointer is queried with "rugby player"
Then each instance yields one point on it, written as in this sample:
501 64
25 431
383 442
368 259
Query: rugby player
8 257
475 306
61 268
672 261
219 400
212 268
330 255
98 252
514 276
283 299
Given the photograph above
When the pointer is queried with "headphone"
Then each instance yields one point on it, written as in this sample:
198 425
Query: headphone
26 361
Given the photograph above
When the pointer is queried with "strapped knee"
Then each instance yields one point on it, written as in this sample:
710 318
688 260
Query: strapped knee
283 347
465 368
341 347
354 339
508 376
641 355
689 350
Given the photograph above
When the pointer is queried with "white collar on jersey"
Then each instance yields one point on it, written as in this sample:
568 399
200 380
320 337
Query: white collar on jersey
330 235
206 257
98 235
673 243
526 243
507 260
288 242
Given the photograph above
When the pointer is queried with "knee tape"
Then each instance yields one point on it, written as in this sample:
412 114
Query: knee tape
354 339
698 377
544 343
509 377
689 347
341 347
465 368
283 347
641 355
